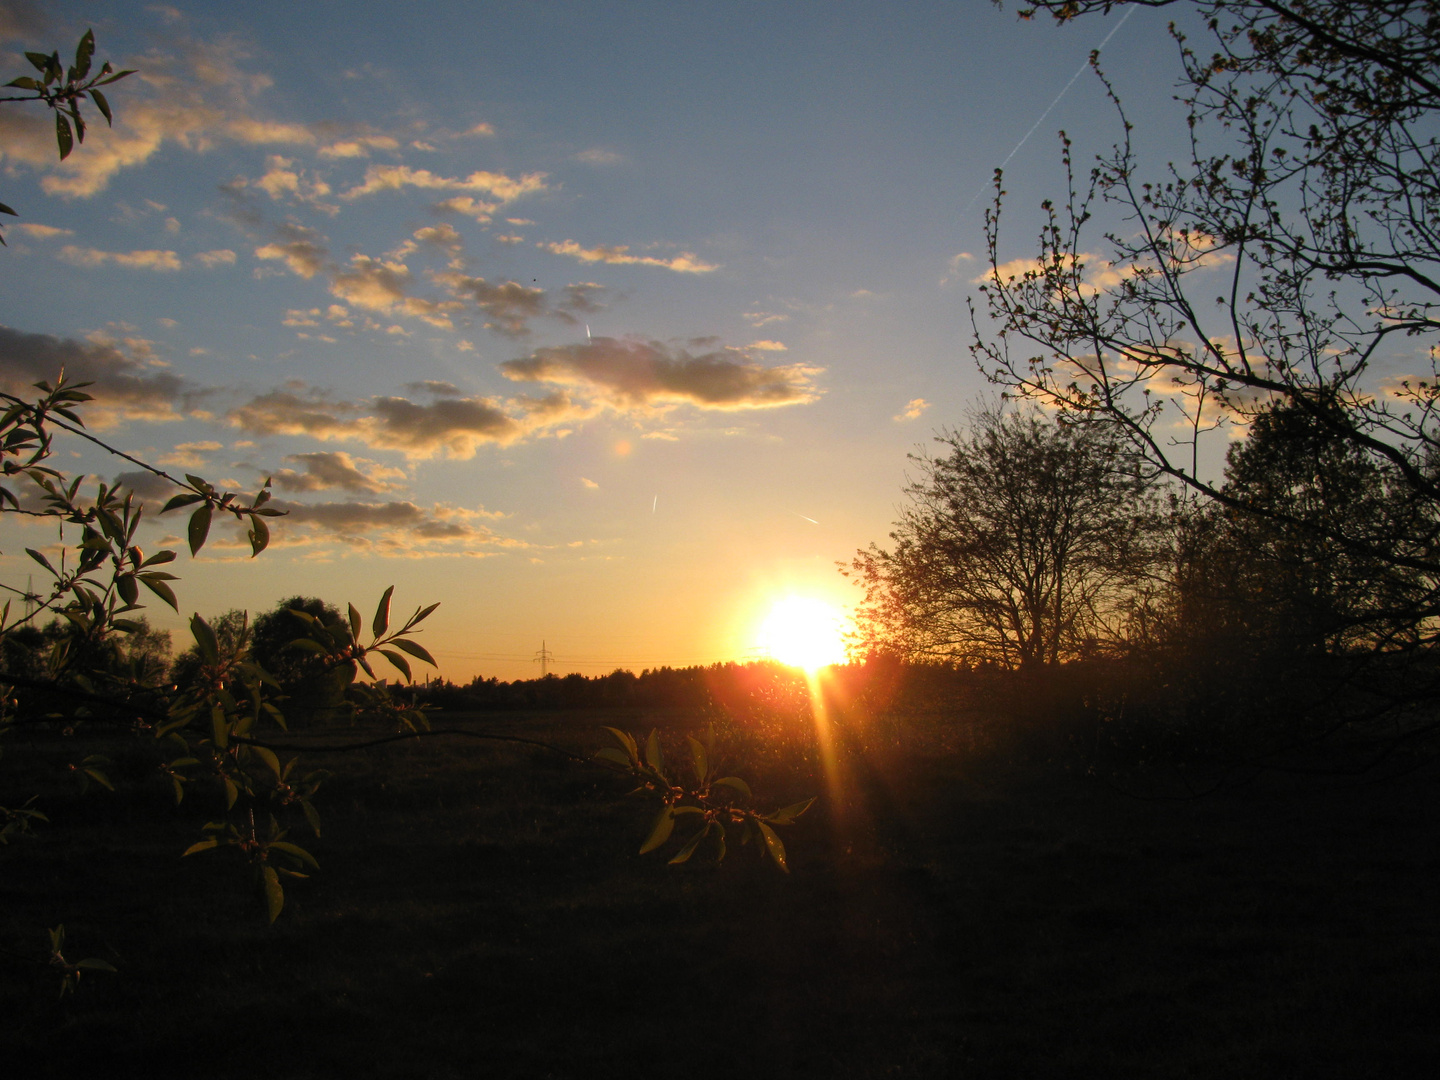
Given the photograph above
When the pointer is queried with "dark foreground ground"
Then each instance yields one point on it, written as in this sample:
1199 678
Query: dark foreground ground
482 912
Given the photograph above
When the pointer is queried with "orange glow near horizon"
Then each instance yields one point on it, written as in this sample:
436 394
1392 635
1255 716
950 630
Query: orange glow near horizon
803 632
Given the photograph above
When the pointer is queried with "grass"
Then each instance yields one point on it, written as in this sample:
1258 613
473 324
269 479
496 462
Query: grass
482 911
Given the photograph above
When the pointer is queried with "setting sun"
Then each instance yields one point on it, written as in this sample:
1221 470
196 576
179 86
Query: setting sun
803 632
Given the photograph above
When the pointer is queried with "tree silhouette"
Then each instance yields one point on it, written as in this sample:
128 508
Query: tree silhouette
1025 544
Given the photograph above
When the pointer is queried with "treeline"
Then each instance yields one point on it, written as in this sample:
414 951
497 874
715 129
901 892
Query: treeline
728 689
1299 602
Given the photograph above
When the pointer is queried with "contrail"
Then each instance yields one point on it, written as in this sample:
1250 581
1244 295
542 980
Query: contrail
654 503
1129 10
811 520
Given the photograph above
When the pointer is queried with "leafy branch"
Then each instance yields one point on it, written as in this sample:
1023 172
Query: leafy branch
709 798
63 90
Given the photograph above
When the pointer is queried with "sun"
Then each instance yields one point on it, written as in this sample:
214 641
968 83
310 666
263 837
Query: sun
804 633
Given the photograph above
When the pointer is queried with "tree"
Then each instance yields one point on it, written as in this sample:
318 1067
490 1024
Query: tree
1026 544
1289 271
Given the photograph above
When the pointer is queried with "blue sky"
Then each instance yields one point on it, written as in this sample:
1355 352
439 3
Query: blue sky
603 325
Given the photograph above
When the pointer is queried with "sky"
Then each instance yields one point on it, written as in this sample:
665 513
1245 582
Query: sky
605 326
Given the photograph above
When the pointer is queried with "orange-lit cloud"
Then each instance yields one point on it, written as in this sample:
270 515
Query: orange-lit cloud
132 260
650 375
497 185
686 262
914 409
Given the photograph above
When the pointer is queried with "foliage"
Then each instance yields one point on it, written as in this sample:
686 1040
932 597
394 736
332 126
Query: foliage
63 90
1028 543
1287 269
712 800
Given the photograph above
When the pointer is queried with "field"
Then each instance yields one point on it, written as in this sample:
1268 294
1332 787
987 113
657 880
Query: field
482 911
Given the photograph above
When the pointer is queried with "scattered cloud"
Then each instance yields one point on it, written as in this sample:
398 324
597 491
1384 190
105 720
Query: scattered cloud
914 409
497 185
359 147
196 98
212 259
597 156
686 262
451 426
767 346
41 232
397 529
591 484
467 206
481 129
758 319
133 260
299 247
283 182
189 455
328 470
125 386
649 376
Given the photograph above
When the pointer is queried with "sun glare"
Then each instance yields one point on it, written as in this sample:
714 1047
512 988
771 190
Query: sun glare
804 633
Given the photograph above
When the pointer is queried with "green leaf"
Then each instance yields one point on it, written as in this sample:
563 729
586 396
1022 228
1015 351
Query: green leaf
294 849
618 757
92 963
312 817
788 814
267 755
660 831
382 613
627 741
734 782
231 793
40 60
83 52
24 83
415 649
205 638
63 136
259 535
127 588
773 846
420 616
399 661
698 759
683 855
103 106
99 778
274 894
202 845
158 558
354 624
199 528
179 501
41 559
654 756
160 589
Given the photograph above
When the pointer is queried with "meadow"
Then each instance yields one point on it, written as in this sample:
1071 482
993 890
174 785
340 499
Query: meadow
961 910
